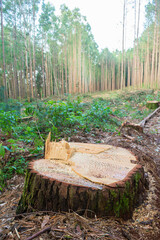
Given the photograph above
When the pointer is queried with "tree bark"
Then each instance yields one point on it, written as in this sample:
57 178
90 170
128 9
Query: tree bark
122 65
4 64
48 194
34 49
154 48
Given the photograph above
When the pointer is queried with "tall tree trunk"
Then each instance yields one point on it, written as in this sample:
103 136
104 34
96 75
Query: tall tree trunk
154 48
75 63
90 76
70 67
106 77
159 66
30 68
102 76
133 82
113 75
62 78
119 76
56 88
51 75
34 48
26 62
4 64
66 70
43 77
26 51
137 53
122 65
142 74
129 74
94 79
16 91
83 74
156 59
147 65
47 78
79 64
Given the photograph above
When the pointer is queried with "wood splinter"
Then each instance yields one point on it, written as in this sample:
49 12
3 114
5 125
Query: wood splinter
57 150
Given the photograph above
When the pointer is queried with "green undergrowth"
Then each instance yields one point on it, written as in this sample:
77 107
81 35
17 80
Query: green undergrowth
72 115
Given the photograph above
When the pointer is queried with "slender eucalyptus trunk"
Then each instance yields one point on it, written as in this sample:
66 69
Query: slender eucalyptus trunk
83 72
34 49
137 52
154 48
106 77
79 64
133 82
113 76
30 67
62 78
3 52
66 70
43 77
75 63
122 65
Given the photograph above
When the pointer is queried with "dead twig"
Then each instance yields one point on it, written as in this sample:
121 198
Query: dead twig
27 214
39 233
17 233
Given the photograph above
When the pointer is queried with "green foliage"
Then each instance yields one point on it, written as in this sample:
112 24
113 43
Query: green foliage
8 121
2 151
99 115
64 119
29 110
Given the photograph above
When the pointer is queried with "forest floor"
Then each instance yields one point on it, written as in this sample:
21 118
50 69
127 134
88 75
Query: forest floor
145 222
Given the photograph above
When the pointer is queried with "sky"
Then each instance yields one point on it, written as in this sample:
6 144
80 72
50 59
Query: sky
105 18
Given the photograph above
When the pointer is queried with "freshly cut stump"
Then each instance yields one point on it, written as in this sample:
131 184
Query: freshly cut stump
104 179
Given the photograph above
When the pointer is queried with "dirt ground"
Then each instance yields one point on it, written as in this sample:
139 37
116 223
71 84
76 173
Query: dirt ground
145 222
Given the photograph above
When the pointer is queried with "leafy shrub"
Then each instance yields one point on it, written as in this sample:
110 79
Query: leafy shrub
100 115
8 121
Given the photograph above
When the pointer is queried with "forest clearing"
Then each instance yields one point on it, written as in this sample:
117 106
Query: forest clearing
79 124
23 146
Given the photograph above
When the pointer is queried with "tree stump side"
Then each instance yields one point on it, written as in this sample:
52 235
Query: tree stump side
46 194
152 104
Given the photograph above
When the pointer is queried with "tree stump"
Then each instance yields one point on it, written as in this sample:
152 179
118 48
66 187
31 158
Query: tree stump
104 179
152 104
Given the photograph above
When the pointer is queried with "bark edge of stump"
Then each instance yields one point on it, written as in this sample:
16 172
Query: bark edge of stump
47 194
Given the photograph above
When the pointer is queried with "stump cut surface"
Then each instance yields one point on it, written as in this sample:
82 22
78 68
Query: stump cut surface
91 165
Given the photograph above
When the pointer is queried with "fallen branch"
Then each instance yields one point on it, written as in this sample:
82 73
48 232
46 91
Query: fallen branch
129 137
24 119
39 233
144 121
137 127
